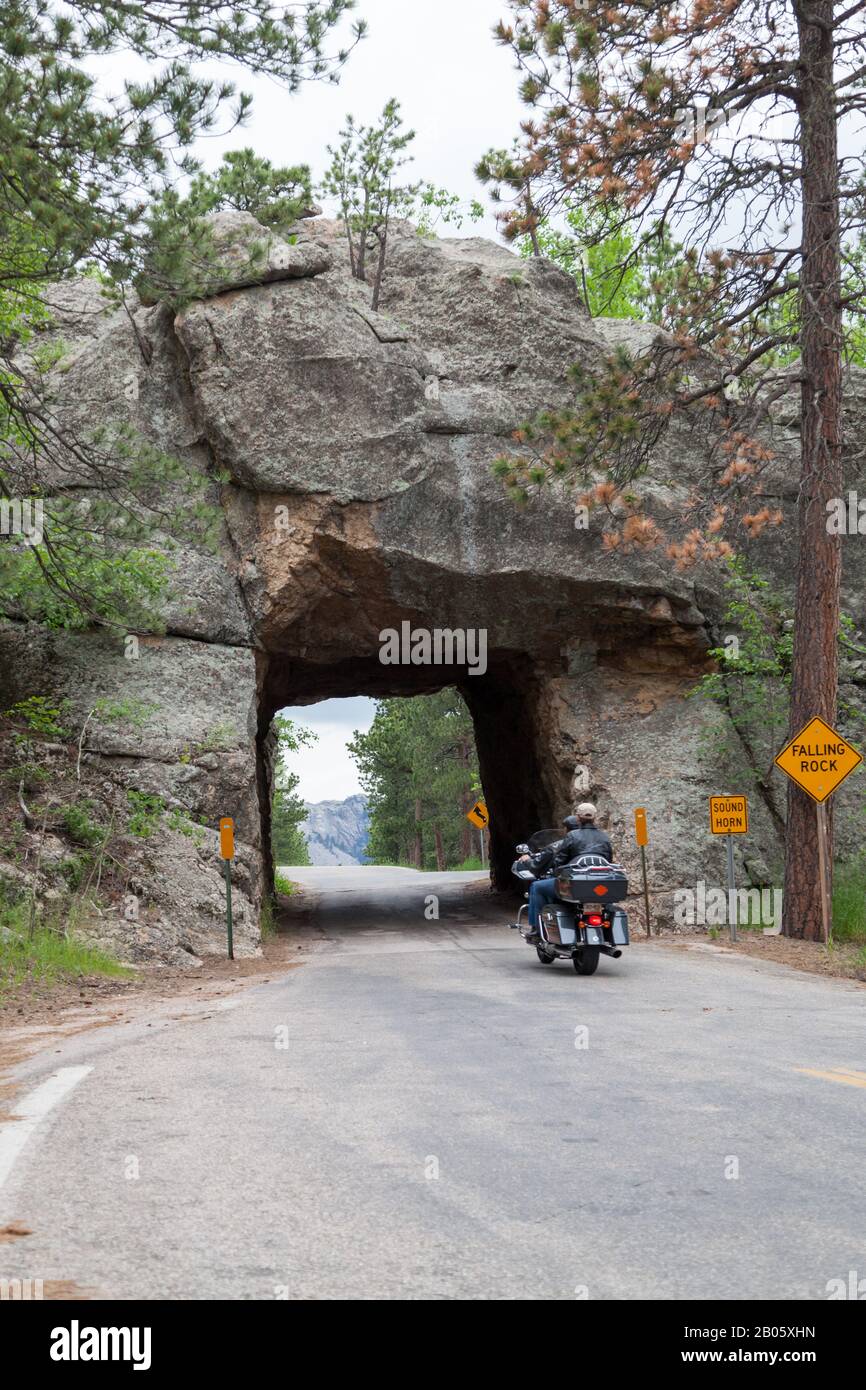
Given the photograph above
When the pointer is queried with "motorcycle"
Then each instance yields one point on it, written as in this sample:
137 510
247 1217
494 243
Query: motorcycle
588 920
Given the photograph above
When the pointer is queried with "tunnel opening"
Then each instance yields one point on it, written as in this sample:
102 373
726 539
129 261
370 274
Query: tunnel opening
581 692
518 788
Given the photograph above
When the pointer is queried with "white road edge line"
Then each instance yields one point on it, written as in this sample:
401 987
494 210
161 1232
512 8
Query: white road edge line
23 1120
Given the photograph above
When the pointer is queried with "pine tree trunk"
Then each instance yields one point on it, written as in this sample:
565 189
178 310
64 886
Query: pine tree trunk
418 852
361 270
815 661
380 269
466 803
440 851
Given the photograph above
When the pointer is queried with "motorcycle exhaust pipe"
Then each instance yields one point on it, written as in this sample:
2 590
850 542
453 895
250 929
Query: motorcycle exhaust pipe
613 951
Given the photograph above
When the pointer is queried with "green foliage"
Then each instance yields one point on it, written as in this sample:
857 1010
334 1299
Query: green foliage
362 178
419 770
132 712
75 869
80 163
217 738
433 207
49 953
508 170
79 823
146 811
619 275
100 559
752 681
247 183
40 716
288 812
849 900
181 261
84 156
179 821
283 885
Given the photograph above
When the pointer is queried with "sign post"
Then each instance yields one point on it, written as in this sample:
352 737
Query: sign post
227 854
819 759
479 817
642 837
729 816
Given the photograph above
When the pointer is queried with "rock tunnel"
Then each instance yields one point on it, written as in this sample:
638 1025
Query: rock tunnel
517 785
349 455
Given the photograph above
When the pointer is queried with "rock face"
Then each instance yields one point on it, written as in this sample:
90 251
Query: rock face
356 448
336 831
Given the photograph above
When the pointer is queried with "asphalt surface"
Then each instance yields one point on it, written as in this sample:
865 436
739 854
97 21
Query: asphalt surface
422 1110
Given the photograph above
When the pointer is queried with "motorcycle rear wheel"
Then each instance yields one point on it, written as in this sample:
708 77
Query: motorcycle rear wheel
585 961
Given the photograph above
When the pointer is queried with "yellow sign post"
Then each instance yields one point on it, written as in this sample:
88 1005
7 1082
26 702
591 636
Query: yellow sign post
819 759
478 816
227 854
642 836
729 815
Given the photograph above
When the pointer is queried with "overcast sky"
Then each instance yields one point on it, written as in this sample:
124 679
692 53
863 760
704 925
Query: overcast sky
326 770
457 89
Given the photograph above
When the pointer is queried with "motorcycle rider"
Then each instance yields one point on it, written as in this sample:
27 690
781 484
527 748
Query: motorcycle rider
541 891
583 837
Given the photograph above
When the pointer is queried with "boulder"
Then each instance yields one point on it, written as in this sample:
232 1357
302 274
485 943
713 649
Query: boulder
349 452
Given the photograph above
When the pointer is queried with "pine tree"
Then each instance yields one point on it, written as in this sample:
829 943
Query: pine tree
701 116
419 770
83 161
363 178
288 810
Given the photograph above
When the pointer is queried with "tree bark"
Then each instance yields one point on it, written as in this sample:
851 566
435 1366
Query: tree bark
361 271
440 851
380 267
418 852
815 662
466 802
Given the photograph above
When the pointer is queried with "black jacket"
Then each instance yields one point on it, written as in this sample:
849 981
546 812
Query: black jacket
587 840
541 862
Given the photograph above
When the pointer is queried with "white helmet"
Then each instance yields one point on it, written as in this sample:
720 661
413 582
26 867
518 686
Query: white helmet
586 811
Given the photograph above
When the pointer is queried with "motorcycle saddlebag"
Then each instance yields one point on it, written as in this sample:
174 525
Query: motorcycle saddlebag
558 927
592 883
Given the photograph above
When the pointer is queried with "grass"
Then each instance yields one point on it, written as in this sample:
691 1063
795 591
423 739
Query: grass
849 901
48 956
473 862
283 885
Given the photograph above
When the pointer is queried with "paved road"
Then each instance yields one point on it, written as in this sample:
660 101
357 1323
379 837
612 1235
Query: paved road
407 1115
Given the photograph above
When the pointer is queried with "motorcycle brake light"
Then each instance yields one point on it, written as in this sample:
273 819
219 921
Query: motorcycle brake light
595 920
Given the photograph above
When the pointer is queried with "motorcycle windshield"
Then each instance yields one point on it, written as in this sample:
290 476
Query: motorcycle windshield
542 838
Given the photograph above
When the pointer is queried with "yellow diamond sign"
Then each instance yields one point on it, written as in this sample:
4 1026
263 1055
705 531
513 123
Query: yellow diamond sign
478 815
818 759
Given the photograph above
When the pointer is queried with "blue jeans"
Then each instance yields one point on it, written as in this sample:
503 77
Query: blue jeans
542 892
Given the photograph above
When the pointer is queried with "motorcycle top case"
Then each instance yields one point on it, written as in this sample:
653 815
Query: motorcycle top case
592 883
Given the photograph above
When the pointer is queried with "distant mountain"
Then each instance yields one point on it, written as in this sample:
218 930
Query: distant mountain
336 831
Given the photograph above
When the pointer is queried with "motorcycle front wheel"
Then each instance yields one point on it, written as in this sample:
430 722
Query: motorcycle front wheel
585 961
